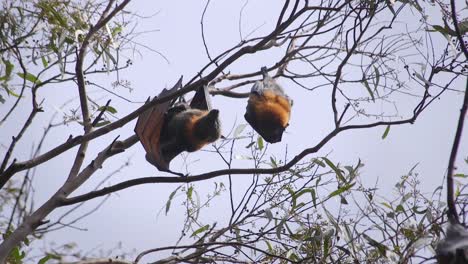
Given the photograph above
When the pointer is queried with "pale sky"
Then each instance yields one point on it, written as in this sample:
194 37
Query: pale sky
131 216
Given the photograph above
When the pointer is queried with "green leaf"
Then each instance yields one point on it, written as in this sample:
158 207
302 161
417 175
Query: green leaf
319 162
29 77
385 134
331 218
302 192
341 190
274 164
8 68
399 208
270 248
279 228
10 92
260 142
338 172
460 175
237 232
380 247
463 27
44 62
377 80
366 84
116 30
387 205
171 196
190 192
200 230
314 198
47 258
108 108
291 192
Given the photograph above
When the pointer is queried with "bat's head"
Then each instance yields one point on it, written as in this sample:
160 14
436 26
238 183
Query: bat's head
272 133
209 127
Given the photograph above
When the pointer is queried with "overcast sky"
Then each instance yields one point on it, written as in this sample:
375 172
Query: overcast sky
131 216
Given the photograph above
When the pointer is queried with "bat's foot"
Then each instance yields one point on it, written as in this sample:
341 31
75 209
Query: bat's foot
177 173
160 165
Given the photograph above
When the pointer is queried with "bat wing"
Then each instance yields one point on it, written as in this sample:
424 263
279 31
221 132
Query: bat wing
149 126
201 100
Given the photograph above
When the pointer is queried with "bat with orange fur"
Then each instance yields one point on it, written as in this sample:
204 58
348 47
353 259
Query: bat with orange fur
168 129
268 108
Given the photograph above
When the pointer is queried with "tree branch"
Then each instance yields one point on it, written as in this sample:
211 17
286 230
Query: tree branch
452 210
19 166
457 29
213 174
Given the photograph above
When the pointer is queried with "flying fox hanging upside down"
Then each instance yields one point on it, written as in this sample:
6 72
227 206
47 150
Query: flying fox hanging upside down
188 129
166 130
268 108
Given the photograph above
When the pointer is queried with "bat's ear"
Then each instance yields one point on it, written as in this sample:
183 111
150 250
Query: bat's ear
149 126
201 100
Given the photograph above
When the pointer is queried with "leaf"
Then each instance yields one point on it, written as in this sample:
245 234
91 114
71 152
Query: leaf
385 134
274 164
319 162
10 92
377 80
381 248
343 200
413 3
270 248
314 198
390 6
29 77
420 77
48 257
279 228
250 145
239 130
108 108
291 192
387 205
190 192
366 84
237 231
341 190
199 230
460 175
296 195
44 62
338 172
260 142
116 30
441 29
269 214
331 218
399 208
463 27
8 69
103 123
242 157
171 196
